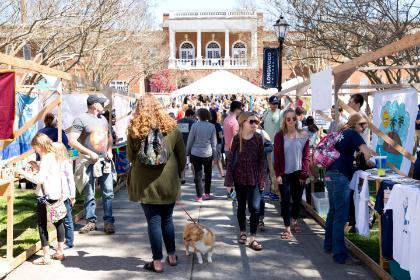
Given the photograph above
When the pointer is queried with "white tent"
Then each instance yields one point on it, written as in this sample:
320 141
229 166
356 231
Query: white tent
219 83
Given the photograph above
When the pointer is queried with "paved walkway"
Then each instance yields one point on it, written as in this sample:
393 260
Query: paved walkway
122 255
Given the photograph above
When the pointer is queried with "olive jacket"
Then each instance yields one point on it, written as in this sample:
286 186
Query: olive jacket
156 185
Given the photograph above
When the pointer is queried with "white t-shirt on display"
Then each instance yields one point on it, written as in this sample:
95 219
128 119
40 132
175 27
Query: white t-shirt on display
402 201
414 255
359 184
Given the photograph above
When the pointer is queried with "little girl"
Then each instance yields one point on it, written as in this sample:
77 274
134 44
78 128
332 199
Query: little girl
69 190
47 175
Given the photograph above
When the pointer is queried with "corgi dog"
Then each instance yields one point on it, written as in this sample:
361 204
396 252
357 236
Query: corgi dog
201 238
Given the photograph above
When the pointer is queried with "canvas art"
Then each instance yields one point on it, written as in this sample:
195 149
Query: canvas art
395 114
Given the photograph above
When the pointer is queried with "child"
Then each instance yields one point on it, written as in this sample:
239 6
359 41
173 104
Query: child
47 177
69 190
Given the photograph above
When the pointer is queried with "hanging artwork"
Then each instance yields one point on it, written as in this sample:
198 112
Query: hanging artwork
7 104
394 113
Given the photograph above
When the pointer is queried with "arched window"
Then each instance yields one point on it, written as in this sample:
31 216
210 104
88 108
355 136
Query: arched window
213 53
239 53
186 51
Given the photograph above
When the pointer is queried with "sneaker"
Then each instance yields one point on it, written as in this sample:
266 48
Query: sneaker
90 226
233 195
207 196
228 196
265 195
274 197
198 199
183 182
109 228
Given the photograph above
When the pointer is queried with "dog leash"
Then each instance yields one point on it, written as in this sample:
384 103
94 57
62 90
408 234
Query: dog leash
188 214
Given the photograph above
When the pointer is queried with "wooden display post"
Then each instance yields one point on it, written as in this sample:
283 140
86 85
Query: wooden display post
7 190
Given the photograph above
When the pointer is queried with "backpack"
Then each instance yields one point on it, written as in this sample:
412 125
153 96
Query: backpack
325 152
153 150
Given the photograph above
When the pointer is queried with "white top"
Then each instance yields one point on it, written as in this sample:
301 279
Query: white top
48 176
67 180
359 184
403 202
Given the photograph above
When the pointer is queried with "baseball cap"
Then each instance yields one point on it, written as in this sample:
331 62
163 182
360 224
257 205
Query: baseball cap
94 98
273 100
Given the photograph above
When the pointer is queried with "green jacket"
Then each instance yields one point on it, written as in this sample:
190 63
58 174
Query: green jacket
156 185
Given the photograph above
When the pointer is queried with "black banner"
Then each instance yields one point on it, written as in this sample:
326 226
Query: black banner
270 68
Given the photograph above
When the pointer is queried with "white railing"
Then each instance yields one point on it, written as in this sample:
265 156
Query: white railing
212 63
212 14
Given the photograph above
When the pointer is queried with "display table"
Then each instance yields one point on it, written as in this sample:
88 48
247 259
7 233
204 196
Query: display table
397 178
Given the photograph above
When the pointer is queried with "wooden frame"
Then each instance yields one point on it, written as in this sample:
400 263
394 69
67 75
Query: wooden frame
341 74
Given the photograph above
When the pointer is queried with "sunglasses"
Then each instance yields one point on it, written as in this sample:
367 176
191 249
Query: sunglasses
291 119
362 124
257 122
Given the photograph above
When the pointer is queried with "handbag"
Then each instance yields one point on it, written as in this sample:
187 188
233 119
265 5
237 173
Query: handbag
57 210
325 152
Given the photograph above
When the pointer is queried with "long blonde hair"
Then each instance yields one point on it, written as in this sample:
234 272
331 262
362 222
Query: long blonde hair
43 142
284 123
149 114
243 117
354 119
61 153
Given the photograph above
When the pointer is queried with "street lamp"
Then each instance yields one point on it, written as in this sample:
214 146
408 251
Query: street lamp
281 29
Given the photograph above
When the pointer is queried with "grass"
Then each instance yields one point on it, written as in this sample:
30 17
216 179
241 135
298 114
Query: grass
369 245
25 231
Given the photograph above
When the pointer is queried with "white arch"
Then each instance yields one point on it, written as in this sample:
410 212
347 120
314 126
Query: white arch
190 49
239 53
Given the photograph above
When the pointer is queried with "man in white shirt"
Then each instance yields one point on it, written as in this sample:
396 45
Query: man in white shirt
356 102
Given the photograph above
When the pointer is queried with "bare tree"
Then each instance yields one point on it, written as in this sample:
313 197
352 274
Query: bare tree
93 33
348 29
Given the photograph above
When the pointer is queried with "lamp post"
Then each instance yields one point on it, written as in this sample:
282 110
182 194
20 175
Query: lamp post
281 29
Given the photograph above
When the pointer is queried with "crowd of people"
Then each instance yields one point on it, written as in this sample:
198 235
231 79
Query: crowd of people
261 150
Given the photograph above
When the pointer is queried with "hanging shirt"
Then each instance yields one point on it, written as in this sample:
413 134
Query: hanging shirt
403 202
386 218
359 184
414 243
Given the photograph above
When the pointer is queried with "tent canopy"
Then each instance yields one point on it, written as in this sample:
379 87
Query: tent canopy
219 83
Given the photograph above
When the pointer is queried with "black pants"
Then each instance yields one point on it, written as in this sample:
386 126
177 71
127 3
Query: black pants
291 188
198 163
250 194
42 225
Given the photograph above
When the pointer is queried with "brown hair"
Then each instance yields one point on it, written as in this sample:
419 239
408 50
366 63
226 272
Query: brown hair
284 124
243 117
43 142
149 114
50 120
354 119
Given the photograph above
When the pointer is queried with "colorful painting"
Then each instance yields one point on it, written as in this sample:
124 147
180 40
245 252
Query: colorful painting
395 123
395 115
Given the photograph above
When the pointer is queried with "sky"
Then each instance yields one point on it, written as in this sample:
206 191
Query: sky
162 6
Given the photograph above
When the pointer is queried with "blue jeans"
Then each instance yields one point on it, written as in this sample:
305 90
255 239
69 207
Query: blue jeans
68 224
160 224
106 186
262 207
250 194
338 196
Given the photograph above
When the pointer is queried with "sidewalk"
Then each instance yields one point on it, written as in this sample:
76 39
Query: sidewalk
122 255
